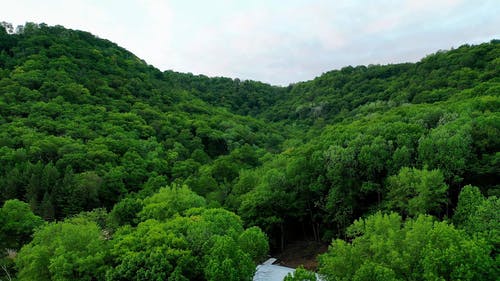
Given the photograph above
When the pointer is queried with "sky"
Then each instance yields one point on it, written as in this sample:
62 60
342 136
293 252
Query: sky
274 41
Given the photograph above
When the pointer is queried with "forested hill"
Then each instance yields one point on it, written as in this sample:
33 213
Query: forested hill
80 107
113 170
241 97
334 94
435 78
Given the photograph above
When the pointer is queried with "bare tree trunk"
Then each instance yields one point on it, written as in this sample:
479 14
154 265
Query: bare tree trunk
304 234
318 238
314 230
282 243
378 197
7 272
313 224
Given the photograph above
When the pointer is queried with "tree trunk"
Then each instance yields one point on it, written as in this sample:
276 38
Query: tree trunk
282 242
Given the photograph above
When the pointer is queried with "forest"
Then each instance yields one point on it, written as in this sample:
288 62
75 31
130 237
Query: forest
111 169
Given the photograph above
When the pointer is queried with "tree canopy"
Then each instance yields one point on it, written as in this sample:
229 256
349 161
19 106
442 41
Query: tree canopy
111 169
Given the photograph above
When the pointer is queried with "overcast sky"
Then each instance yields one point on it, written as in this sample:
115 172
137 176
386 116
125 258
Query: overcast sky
275 41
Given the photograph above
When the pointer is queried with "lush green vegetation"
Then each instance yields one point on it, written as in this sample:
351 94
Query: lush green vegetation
113 170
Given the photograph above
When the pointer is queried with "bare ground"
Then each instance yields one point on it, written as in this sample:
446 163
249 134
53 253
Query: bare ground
303 253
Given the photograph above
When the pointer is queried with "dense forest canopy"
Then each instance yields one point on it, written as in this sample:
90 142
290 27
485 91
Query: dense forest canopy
111 169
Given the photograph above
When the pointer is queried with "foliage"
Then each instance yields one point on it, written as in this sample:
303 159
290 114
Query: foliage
125 212
386 248
301 274
84 123
254 242
149 252
207 243
478 215
71 250
413 191
87 128
169 201
17 224
225 261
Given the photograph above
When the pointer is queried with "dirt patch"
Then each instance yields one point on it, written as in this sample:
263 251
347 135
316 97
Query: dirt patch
303 253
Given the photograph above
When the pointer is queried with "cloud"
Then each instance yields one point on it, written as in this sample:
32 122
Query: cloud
297 41
273 41
131 24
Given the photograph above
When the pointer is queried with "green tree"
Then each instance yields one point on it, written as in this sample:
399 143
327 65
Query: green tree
169 201
451 255
478 215
85 123
254 242
126 212
47 210
447 148
17 224
385 248
226 261
210 223
413 191
301 274
469 199
150 252
71 250
201 244
374 272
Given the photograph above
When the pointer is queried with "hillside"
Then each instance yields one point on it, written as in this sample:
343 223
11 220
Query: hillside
148 175
83 107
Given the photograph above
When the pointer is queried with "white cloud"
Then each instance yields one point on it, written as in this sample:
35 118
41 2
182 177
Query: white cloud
272 41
